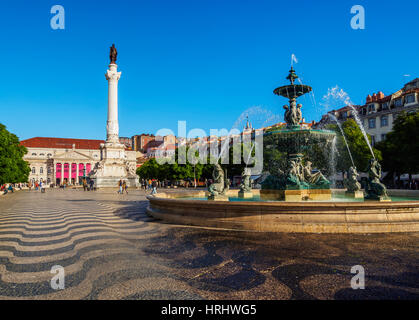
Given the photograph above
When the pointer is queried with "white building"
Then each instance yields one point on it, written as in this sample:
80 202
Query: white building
59 160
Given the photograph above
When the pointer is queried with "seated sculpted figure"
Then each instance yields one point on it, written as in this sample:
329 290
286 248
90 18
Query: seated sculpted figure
316 178
375 188
352 183
245 185
218 186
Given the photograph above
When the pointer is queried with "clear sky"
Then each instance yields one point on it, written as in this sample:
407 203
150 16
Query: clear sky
203 61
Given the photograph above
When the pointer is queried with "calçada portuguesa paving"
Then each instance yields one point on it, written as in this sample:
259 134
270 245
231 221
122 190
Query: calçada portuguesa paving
111 249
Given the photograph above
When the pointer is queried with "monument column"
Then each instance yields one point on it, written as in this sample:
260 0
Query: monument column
112 126
114 164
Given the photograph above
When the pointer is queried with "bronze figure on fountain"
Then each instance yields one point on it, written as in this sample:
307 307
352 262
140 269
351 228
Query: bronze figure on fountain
375 189
220 186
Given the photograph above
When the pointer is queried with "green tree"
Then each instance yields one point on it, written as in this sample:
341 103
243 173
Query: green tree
401 147
13 169
357 145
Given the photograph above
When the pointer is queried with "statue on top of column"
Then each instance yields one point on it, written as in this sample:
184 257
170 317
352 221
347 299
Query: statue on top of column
113 54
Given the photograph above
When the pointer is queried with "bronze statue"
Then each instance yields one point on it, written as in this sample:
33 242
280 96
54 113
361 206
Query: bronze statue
316 178
246 185
219 184
352 183
113 53
375 189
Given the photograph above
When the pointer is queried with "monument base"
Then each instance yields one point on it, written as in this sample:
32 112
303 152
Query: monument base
245 195
116 164
218 197
355 194
113 182
296 195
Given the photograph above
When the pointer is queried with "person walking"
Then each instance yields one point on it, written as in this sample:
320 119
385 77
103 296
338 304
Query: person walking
154 186
124 187
91 184
84 184
120 187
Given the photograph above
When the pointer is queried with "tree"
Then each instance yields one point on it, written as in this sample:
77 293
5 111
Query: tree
13 169
401 147
360 151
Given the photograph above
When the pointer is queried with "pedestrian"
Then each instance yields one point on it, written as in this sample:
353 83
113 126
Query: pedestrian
154 186
120 187
91 184
84 184
124 187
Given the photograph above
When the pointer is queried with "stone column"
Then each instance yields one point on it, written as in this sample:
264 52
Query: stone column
112 126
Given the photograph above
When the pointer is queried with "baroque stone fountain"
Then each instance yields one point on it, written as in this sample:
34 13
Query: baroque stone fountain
296 181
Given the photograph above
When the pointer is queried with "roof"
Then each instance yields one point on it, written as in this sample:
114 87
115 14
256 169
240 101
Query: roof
62 143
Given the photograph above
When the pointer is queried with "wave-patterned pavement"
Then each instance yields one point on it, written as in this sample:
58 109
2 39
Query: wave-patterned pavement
94 236
110 249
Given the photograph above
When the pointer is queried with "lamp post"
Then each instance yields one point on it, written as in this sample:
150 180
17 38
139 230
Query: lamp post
84 172
194 177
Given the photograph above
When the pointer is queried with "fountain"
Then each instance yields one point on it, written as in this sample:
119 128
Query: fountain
278 206
296 181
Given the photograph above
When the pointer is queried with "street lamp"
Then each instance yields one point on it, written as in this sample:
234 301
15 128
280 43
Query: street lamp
194 177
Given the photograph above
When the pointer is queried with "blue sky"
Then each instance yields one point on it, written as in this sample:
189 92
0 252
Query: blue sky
201 61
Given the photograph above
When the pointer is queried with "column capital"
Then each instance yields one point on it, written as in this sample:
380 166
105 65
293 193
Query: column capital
112 73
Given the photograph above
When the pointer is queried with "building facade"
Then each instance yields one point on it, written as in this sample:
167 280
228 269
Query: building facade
141 142
58 160
379 111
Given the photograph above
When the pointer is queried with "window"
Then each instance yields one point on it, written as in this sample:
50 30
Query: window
385 106
42 154
384 121
49 154
373 140
371 123
364 111
33 170
41 170
410 98
383 137
398 102
371 108
34 154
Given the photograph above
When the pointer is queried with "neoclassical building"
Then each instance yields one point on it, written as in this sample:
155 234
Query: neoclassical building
60 160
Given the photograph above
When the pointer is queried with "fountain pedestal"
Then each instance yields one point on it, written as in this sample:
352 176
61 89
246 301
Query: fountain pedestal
218 197
296 195
245 195
355 194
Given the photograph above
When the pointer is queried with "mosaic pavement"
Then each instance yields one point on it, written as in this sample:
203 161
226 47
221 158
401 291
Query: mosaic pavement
110 249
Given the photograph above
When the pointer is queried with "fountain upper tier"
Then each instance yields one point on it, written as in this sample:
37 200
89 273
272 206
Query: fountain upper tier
292 91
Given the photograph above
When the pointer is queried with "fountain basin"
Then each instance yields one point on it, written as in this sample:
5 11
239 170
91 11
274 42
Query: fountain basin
302 217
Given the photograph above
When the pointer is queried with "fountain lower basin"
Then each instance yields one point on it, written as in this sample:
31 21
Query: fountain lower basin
341 216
